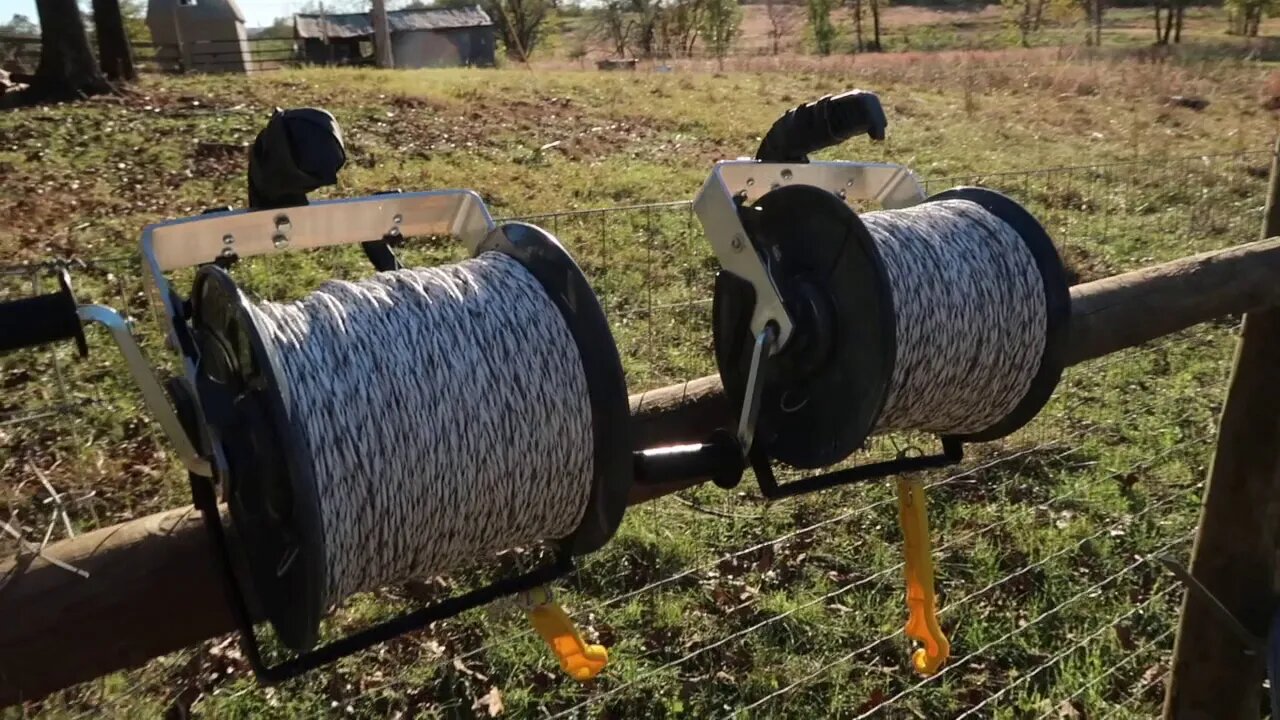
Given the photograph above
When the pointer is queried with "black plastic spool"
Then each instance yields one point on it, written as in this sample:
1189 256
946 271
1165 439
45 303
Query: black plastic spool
825 391
278 548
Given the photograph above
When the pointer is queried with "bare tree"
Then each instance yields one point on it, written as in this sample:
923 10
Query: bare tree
615 27
1171 27
875 45
1094 11
859 12
824 31
681 25
1027 16
645 35
115 54
782 21
519 23
721 22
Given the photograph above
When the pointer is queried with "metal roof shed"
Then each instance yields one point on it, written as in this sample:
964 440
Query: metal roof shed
419 38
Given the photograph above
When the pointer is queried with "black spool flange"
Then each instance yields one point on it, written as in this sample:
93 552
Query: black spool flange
259 460
260 456
612 470
1057 303
826 389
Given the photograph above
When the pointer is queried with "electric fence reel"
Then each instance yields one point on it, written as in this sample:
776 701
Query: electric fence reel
950 318
231 414
234 395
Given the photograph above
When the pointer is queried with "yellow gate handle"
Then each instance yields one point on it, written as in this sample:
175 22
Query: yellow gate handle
579 660
922 622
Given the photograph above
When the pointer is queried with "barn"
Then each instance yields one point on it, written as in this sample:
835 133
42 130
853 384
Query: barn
419 38
207 36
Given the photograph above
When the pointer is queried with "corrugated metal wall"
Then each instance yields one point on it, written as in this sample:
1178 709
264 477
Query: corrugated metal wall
443 48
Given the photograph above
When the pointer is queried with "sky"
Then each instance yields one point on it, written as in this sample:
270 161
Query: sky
257 13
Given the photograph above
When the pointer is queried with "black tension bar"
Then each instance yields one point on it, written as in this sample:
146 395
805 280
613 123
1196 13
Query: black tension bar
822 124
952 453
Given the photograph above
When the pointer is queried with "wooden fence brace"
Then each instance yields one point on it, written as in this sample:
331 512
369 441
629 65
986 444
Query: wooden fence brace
152 589
1235 551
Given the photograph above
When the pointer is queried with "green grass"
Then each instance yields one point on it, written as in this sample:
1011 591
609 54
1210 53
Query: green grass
710 600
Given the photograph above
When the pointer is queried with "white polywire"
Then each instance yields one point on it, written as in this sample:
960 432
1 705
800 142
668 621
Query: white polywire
444 414
969 304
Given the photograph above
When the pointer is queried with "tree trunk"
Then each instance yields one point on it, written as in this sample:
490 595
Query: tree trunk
857 25
1177 21
1038 18
1024 24
68 70
1168 25
1097 23
1156 7
875 26
114 51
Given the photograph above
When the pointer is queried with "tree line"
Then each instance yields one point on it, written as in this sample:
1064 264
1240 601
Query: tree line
69 67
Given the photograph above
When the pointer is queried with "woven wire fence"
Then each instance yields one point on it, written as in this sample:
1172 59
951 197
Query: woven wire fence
715 603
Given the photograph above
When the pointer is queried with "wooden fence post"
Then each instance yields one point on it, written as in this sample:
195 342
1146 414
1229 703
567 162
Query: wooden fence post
1234 555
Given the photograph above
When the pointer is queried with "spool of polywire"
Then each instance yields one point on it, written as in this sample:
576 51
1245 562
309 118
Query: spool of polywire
412 423
948 317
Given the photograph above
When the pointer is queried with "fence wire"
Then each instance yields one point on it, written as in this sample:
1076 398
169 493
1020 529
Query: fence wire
719 605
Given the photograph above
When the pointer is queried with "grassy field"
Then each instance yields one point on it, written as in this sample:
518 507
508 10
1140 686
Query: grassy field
711 601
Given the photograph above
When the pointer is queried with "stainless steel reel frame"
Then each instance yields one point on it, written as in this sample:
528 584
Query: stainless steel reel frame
194 241
736 183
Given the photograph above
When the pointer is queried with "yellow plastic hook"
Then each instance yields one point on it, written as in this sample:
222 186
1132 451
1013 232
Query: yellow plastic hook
579 660
922 621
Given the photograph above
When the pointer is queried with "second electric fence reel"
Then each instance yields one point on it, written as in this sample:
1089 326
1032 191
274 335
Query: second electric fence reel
810 316
943 315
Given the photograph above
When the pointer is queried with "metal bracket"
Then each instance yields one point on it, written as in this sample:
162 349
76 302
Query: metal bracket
207 238
152 392
952 453
763 348
1252 643
739 182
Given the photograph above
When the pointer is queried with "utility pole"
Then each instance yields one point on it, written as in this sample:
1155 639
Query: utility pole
324 32
382 35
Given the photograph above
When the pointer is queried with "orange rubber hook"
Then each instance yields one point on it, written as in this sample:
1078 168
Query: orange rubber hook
922 621
579 660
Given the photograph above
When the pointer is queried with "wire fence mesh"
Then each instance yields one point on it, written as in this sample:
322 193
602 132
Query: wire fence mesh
718 604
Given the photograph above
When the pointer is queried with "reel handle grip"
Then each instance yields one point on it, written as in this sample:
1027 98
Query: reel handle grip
42 319
718 458
821 124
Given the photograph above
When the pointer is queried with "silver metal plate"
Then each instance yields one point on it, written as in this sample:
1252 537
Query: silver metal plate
892 186
193 241
204 238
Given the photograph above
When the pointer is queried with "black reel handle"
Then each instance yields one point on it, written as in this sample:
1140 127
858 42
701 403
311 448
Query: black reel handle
302 150
42 319
719 457
822 124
